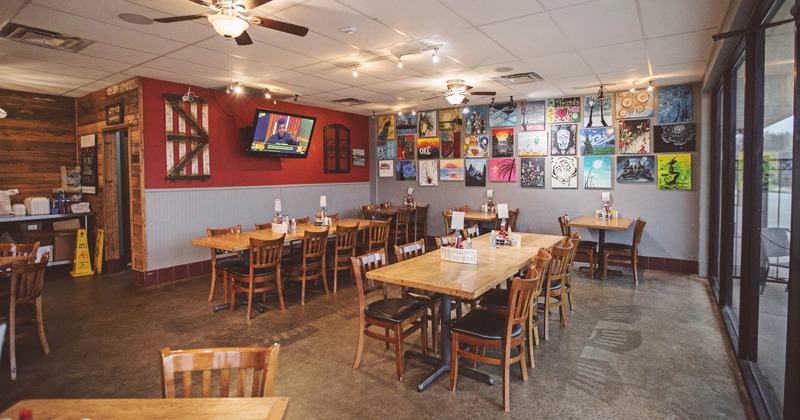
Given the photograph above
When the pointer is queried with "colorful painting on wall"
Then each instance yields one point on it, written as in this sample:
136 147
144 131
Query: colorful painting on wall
503 170
563 139
595 113
503 142
564 110
476 146
675 172
532 115
503 115
451 169
675 104
532 173
406 170
636 169
597 141
475 173
450 143
532 143
476 120
406 145
386 127
405 123
450 119
597 172
638 104
564 172
386 168
426 123
428 173
428 148
675 138
386 149
634 136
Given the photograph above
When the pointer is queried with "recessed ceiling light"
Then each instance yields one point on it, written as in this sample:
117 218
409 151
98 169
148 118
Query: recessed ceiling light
503 69
347 30
135 18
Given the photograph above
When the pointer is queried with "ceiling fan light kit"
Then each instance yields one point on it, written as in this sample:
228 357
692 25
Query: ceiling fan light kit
227 25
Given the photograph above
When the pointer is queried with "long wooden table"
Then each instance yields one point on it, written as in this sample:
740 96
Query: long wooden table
602 225
430 272
272 408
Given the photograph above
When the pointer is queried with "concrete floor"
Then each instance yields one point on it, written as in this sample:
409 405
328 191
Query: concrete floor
656 350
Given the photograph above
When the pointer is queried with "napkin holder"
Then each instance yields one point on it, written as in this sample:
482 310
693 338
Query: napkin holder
280 228
464 256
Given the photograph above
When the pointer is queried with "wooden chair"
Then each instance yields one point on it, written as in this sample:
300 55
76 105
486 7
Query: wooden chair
623 253
402 316
433 300
17 250
334 216
23 304
302 220
421 223
575 239
311 264
367 211
448 217
264 226
511 222
377 236
447 240
385 205
462 208
483 328
584 247
344 247
248 371
471 232
222 260
261 275
400 229
553 295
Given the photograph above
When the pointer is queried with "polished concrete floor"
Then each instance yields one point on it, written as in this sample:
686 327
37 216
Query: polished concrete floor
656 350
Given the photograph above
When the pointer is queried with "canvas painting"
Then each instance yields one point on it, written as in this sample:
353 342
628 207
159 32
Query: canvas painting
564 172
406 145
533 113
476 146
634 136
503 170
503 142
597 172
532 173
636 169
428 173
563 139
564 110
451 169
597 113
359 157
675 172
638 104
406 170
675 138
386 149
597 141
386 127
426 123
476 120
532 143
450 143
428 148
475 173
385 168
503 115
405 123
675 104
450 119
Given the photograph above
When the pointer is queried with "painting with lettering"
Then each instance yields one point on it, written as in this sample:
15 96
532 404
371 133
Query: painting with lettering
386 127
532 172
532 143
450 119
406 145
597 113
675 172
564 172
428 173
476 146
503 142
451 169
533 115
386 149
564 110
634 136
675 138
406 170
638 104
428 148
405 123
597 141
385 168
450 143
475 173
675 104
636 169
597 172
503 170
563 139
503 114
426 123
476 120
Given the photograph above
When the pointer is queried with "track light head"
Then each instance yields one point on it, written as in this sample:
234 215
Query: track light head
435 55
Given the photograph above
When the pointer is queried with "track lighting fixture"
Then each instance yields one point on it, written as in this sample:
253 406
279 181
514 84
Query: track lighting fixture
413 111
650 88
399 61
373 114
633 88
355 70
267 94
435 56
400 112
295 98
465 110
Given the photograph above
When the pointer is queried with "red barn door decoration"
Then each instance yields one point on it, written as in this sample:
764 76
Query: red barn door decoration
187 139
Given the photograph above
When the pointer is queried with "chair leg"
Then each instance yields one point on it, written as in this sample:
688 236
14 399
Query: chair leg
563 311
213 283
335 276
506 387
530 326
303 289
249 301
12 346
591 264
635 271
324 276
569 294
280 292
605 266
435 326
40 326
547 319
360 345
453 362
523 366
536 329
231 293
424 333
398 351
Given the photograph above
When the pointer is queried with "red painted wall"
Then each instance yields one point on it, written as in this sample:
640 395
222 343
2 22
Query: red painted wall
229 163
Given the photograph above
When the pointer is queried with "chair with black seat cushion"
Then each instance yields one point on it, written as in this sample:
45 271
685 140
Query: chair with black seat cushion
511 222
377 236
411 250
589 248
575 239
401 316
311 264
421 223
222 260
399 231
447 240
554 291
344 247
619 253
496 330
261 275
471 232
264 226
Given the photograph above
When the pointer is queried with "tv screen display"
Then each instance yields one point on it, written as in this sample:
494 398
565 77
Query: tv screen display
281 134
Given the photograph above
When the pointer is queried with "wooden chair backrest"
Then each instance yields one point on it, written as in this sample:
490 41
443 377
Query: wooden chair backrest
242 367
409 250
403 215
386 205
18 250
463 208
513 215
559 262
263 226
448 217
562 223
446 240
314 242
638 229
346 237
540 264
361 265
520 298
27 280
379 232
221 231
366 211
575 239
334 216
302 220
471 232
266 253
421 216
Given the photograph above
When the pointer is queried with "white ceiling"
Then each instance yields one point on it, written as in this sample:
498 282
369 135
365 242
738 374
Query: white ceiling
570 43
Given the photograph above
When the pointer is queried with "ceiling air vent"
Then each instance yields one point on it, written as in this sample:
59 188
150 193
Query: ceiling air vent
43 38
350 101
518 78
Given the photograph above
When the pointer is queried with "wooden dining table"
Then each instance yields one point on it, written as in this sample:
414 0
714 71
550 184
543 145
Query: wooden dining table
602 225
272 408
430 272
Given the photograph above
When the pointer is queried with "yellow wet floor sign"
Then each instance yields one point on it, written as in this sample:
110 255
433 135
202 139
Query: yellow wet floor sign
82 264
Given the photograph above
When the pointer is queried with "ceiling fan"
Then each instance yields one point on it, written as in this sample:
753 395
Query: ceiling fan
457 92
231 20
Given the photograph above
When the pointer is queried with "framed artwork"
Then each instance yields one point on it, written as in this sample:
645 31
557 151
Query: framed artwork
638 104
532 116
675 138
597 172
429 173
115 113
503 170
428 148
450 119
675 172
405 123
532 172
675 104
406 145
476 120
426 123
597 113
476 146
451 169
406 170
634 136
532 143
386 149
88 163
564 110
636 169
563 139
597 141
386 127
503 142
359 157
503 115
564 172
450 143
475 172
385 168
337 151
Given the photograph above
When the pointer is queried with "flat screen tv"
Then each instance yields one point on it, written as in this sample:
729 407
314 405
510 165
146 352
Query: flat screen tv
280 134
